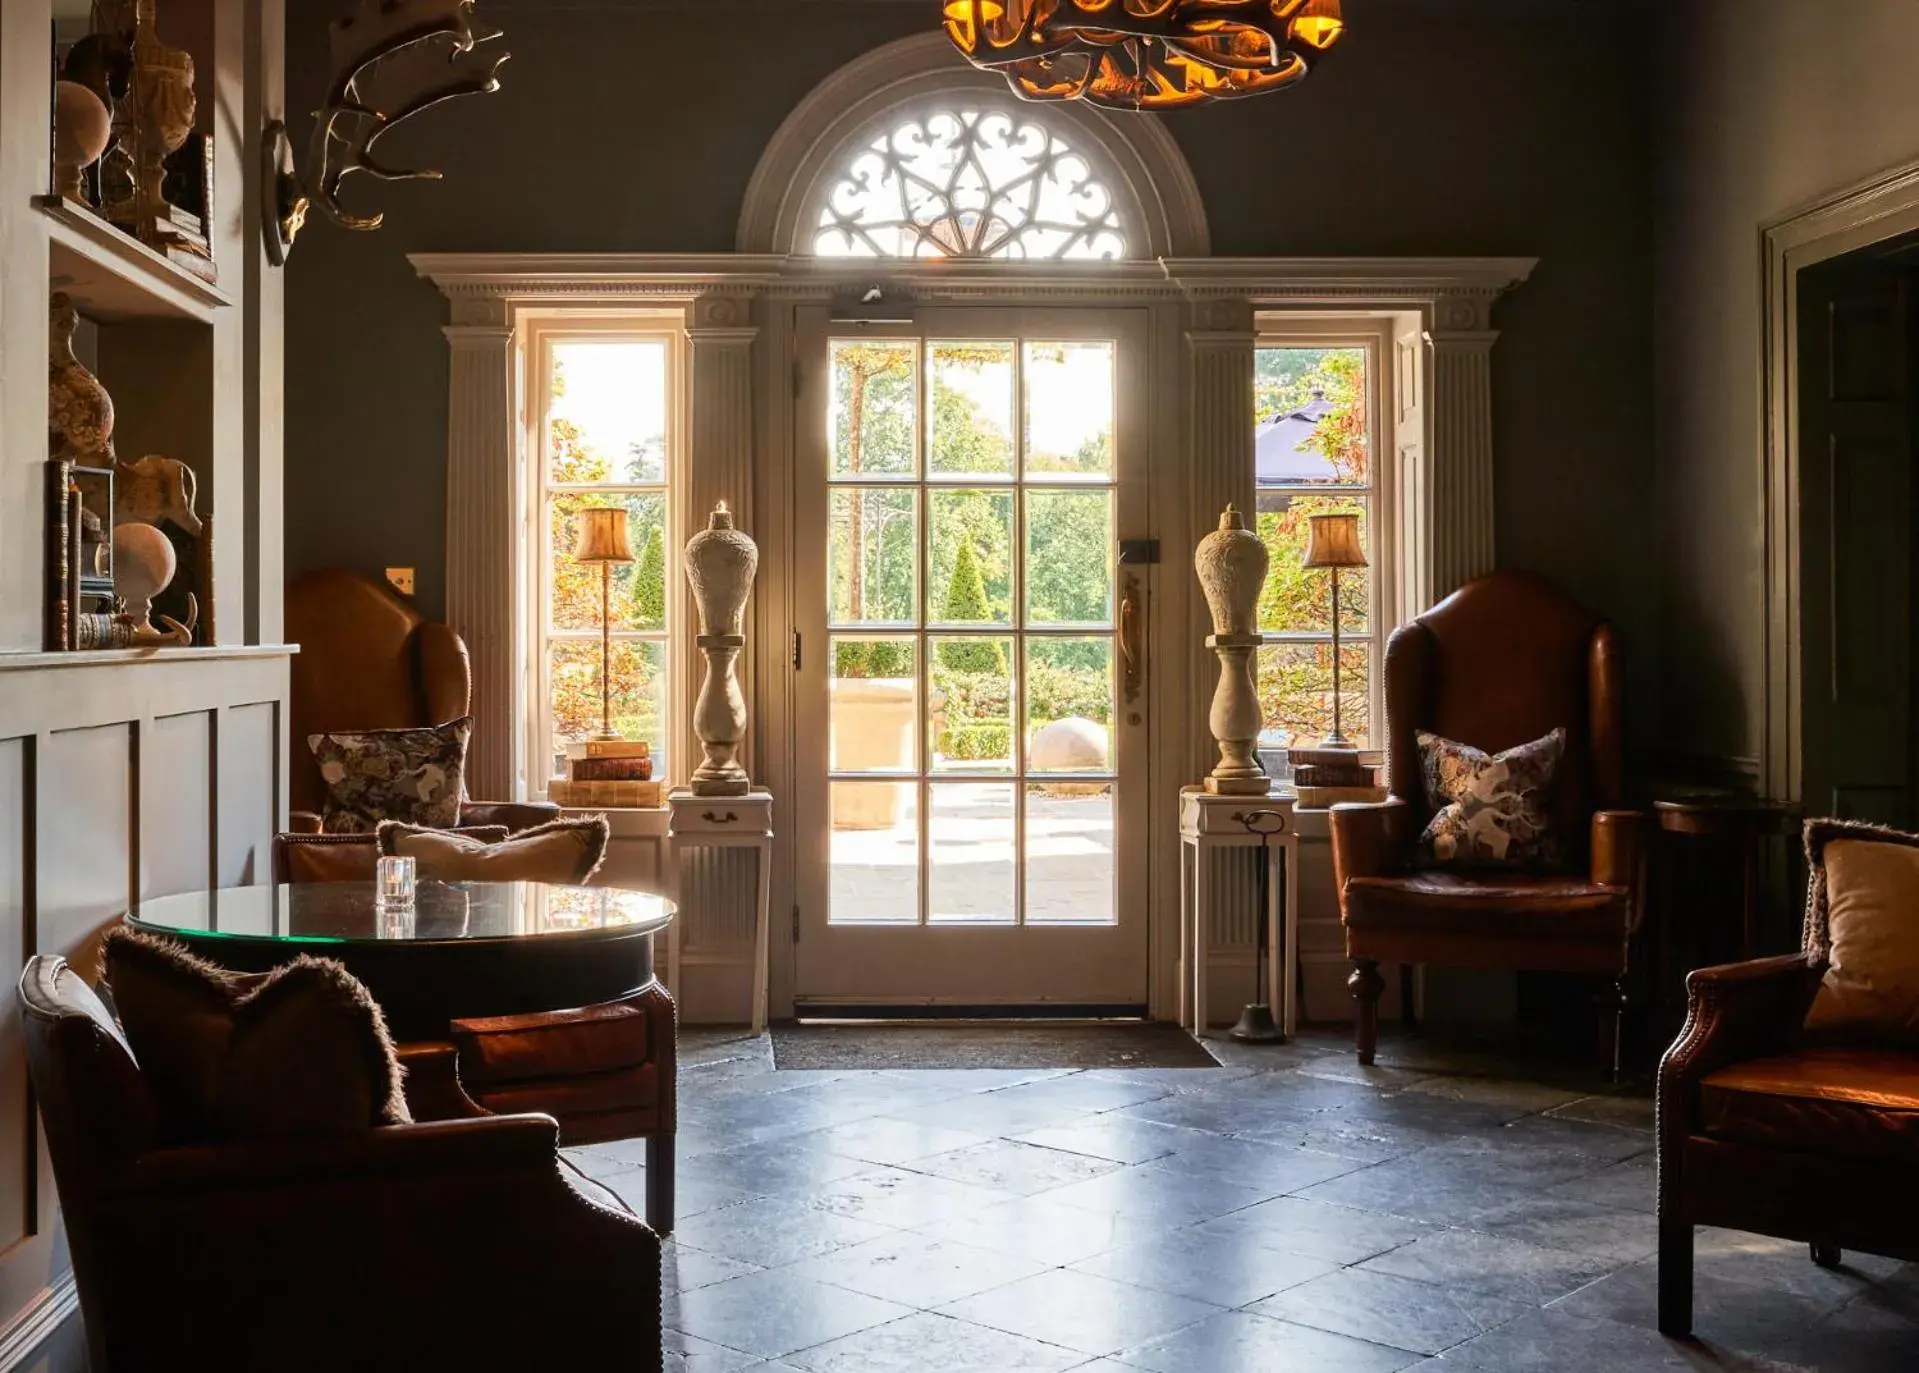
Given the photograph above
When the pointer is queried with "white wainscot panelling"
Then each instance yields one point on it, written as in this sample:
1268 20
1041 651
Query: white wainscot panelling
16 1199
249 739
85 834
176 803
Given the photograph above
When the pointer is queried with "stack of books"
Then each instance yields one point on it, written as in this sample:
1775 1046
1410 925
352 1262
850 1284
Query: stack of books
1327 776
609 773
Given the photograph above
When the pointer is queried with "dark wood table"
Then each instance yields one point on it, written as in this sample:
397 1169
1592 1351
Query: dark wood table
1695 832
467 950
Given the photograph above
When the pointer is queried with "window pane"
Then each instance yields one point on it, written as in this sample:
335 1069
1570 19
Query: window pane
1069 853
875 705
971 828
1069 411
1296 694
970 581
875 853
873 555
875 399
1069 557
607 411
972 410
1297 599
638 696
972 720
638 598
1310 416
1069 705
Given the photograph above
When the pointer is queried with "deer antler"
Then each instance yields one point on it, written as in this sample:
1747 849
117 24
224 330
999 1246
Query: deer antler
392 59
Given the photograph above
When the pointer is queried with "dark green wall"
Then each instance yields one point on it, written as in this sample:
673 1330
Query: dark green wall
1763 106
1444 127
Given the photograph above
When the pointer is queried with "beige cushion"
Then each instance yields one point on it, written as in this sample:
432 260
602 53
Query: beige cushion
565 852
1872 984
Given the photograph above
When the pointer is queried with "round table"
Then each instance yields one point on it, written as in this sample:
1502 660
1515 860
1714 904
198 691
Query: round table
465 950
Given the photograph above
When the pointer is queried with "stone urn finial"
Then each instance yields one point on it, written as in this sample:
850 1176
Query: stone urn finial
1232 564
720 563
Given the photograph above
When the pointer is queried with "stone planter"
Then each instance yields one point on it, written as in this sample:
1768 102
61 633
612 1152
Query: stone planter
873 723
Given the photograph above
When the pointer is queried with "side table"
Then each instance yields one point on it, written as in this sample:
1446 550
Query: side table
1690 829
1209 825
705 831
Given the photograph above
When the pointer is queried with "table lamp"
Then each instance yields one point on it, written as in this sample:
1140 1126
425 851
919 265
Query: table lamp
1333 541
602 540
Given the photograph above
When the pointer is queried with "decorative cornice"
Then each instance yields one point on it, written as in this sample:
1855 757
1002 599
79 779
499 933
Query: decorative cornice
1460 291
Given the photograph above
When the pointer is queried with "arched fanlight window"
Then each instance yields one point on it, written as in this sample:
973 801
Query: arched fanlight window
973 181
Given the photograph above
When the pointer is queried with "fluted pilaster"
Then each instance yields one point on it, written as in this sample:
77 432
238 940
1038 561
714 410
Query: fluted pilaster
481 594
1220 448
1462 428
720 336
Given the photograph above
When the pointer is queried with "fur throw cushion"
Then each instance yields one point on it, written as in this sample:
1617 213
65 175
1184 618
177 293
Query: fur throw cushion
1490 811
1865 912
563 852
297 1052
415 775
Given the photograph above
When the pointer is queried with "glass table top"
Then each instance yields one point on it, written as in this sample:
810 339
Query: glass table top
346 913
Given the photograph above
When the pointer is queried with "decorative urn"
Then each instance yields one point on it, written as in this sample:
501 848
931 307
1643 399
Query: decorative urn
720 564
165 109
79 410
1232 563
82 128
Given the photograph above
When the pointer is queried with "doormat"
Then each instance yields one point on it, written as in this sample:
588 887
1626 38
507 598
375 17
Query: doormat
1031 1044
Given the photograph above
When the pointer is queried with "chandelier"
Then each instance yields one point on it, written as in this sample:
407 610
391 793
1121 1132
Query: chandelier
1144 54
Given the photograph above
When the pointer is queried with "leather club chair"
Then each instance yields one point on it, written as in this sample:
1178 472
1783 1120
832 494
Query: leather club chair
368 660
1502 661
1763 1131
453 1244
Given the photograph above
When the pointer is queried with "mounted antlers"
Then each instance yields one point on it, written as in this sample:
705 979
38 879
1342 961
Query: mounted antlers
392 59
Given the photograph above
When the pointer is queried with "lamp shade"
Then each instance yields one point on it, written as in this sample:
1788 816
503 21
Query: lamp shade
602 536
1334 541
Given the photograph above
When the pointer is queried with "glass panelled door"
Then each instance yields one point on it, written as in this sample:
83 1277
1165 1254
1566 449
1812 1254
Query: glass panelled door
969 818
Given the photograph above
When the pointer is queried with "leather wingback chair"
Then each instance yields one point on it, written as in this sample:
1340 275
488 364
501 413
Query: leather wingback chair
389 1249
368 660
1503 660
1766 1130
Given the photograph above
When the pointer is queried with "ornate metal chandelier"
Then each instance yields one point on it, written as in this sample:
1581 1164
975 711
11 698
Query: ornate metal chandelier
1144 54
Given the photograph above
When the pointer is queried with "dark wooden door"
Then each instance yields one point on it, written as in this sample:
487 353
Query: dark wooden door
1856 540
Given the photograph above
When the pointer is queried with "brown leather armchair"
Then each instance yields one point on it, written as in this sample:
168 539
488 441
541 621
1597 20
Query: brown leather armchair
368 660
1503 660
1760 1130
391 1249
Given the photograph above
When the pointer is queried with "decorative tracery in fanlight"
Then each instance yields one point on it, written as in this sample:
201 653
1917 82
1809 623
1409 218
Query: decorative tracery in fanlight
976 183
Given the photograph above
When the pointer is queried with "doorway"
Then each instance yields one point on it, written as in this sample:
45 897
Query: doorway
1858 341
970 826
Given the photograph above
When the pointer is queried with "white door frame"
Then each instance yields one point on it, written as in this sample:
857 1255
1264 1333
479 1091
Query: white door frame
740 311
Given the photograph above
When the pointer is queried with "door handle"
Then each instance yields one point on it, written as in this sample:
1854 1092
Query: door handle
1132 651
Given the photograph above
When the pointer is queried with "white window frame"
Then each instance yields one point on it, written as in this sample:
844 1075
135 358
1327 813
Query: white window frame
1372 334
534 526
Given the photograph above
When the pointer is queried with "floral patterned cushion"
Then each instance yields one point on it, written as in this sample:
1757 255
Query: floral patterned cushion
372 775
1490 812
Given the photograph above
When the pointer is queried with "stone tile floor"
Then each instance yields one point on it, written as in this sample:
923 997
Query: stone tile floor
1450 1209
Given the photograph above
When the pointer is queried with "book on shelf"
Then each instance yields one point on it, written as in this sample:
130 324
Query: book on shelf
563 791
608 748
610 769
1320 798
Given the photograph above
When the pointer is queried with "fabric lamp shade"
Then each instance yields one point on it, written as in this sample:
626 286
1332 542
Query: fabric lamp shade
602 536
1333 541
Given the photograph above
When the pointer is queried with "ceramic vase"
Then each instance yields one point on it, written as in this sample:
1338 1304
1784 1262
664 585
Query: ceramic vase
79 410
720 563
1232 563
